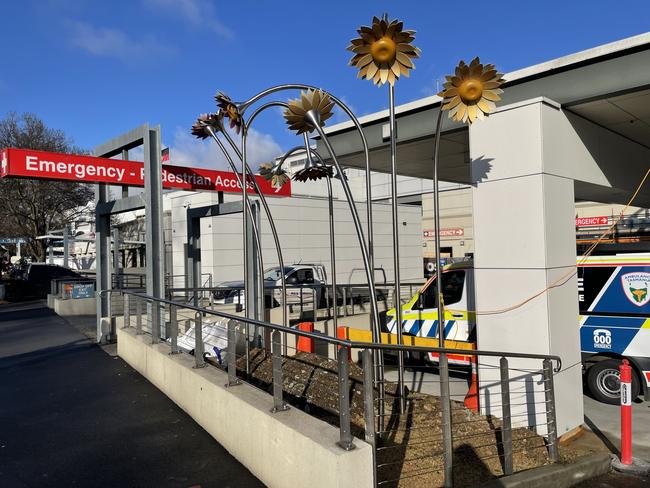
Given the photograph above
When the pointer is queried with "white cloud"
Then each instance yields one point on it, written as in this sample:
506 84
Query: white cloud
114 43
196 13
186 150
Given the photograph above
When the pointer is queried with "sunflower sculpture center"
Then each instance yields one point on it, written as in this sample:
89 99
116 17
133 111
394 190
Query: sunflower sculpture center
471 91
384 50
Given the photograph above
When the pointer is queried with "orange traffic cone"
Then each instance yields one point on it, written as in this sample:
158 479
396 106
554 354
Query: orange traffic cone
471 399
305 344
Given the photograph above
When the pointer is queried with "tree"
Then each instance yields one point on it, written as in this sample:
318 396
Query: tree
30 207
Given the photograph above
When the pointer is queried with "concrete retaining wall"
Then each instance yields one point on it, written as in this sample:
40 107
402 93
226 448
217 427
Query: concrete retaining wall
285 449
78 306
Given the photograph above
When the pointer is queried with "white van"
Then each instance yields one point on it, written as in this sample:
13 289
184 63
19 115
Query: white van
614 321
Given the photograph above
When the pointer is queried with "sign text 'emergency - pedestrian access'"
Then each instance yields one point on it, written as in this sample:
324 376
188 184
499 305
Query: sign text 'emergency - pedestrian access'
25 163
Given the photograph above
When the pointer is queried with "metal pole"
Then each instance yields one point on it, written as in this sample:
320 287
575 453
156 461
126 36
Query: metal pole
66 246
278 401
549 393
335 307
154 227
116 258
138 316
173 328
51 252
396 260
345 441
368 396
127 312
440 305
125 188
445 401
369 407
506 429
198 341
232 354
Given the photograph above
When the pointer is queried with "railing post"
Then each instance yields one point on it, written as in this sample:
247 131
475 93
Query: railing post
173 328
127 312
198 341
156 319
506 428
276 348
445 401
138 315
368 396
345 431
232 354
345 302
549 393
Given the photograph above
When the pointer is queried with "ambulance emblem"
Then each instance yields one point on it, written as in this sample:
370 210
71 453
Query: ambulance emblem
636 287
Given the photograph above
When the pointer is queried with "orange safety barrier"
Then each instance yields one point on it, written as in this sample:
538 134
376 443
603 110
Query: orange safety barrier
342 333
471 399
305 344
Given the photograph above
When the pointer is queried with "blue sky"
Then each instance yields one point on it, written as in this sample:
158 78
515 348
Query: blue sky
98 68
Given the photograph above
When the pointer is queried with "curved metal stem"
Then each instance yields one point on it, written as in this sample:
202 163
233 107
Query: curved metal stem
233 168
330 202
357 225
297 86
267 211
440 305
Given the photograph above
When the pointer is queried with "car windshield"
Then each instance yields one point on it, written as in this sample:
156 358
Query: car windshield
273 274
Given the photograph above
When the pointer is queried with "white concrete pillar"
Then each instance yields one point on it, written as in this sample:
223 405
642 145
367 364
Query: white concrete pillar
524 238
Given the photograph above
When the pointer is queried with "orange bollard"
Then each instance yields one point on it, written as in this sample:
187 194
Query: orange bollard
471 399
305 344
342 333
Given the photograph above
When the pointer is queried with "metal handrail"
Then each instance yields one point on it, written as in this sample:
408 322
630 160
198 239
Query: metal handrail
273 345
345 342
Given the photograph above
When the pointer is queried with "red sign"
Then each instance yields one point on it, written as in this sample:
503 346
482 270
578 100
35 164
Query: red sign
587 221
453 232
23 163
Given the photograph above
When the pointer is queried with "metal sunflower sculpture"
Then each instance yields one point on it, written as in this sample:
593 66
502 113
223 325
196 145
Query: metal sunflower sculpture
274 173
470 94
230 110
203 121
312 171
383 51
317 102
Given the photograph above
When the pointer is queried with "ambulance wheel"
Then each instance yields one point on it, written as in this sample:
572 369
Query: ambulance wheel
604 384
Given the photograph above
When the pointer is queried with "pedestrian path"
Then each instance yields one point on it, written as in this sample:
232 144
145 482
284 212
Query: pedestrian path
72 415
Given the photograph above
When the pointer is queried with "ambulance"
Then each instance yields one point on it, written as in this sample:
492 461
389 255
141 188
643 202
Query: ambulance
614 320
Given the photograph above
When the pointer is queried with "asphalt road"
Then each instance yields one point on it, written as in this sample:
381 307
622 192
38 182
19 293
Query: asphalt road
72 415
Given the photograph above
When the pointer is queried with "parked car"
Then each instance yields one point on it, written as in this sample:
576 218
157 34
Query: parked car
34 280
295 275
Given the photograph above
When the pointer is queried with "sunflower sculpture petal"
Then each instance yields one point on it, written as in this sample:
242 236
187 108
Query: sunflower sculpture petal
276 175
472 91
266 171
203 121
229 109
383 52
317 102
312 172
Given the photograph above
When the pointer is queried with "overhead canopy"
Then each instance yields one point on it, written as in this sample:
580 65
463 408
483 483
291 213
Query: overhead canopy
608 85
